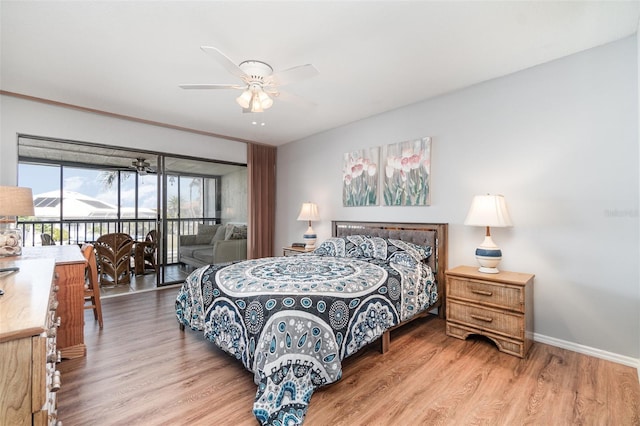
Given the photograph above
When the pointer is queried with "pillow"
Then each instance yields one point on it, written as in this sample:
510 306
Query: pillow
400 250
374 247
239 233
219 235
365 246
334 246
235 232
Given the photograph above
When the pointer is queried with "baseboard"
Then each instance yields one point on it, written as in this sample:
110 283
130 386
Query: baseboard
587 350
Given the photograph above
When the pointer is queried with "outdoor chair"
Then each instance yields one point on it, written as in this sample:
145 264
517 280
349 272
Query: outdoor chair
114 258
47 240
145 253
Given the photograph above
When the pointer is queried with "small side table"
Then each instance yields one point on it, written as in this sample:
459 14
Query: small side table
292 251
498 306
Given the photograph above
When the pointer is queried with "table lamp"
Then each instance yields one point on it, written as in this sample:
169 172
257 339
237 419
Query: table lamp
309 212
14 201
488 210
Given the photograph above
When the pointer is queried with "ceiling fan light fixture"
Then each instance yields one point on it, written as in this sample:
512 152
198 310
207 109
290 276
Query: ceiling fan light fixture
265 100
244 100
256 105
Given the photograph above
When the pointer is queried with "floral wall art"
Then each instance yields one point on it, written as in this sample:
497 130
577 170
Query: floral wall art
360 177
407 173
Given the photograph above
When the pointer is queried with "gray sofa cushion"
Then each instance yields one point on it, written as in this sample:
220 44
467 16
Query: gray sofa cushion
206 233
187 251
204 255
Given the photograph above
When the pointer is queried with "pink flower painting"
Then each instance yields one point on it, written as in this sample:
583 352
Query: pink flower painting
407 173
360 177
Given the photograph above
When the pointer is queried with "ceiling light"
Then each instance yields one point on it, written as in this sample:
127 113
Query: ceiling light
265 100
256 105
245 98
254 99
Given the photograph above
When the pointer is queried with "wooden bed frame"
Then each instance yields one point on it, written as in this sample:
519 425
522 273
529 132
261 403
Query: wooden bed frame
425 234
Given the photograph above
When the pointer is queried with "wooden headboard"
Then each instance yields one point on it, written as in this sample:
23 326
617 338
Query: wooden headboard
424 234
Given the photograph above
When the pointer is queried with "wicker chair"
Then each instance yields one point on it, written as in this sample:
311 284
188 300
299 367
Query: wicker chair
114 258
91 286
47 240
145 253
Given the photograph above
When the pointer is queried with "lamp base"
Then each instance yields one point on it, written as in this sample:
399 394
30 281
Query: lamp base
10 241
485 270
309 239
488 255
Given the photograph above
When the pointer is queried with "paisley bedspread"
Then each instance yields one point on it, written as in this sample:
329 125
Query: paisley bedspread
292 320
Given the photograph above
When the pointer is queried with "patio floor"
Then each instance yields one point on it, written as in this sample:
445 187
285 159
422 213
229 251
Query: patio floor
139 283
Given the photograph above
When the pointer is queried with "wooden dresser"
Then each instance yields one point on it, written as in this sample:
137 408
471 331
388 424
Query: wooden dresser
28 355
498 306
70 267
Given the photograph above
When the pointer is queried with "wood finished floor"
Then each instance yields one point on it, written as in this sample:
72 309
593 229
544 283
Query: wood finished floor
142 370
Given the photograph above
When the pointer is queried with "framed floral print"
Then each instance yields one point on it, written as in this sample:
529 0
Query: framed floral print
407 173
360 177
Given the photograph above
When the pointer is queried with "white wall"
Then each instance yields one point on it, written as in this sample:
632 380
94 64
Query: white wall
40 119
560 141
638 75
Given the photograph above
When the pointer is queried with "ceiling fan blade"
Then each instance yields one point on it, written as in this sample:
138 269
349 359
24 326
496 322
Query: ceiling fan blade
295 99
224 60
212 86
291 75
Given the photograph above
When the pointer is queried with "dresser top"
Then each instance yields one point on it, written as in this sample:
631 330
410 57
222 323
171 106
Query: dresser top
62 254
25 303
506 277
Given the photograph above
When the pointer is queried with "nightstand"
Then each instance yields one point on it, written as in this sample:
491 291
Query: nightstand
498 306
291 251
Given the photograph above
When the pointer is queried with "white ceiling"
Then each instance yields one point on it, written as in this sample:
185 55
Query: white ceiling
129 57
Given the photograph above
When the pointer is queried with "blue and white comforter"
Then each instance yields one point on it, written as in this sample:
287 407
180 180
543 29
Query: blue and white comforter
292 320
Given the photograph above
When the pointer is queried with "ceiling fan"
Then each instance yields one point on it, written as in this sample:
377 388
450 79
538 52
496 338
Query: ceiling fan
259 82
142 166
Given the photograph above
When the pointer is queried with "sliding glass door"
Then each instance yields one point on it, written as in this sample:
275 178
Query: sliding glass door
82 191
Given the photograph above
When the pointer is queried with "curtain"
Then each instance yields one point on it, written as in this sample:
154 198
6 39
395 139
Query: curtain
261 170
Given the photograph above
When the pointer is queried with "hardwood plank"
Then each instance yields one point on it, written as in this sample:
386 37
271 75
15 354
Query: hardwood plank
142 370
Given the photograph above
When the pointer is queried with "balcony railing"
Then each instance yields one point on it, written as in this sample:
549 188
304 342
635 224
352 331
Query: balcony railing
81 231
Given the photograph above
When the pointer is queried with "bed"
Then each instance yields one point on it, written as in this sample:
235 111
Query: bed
292 320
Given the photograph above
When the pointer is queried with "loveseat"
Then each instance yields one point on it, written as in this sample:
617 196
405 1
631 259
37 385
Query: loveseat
213 244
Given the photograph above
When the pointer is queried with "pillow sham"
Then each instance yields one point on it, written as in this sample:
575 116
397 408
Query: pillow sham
341 247
396 251
334 246
419 253
366 246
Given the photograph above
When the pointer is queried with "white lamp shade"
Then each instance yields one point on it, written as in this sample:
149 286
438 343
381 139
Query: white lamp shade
309 211
488 210
16 201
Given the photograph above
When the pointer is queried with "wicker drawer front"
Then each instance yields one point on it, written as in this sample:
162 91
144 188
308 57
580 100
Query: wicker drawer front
490 294
511 325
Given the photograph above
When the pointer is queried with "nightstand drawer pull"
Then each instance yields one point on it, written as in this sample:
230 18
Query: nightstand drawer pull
479 318
482 292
